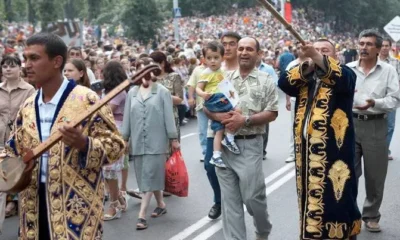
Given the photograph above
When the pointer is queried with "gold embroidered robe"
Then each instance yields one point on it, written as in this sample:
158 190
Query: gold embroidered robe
74 184
325 150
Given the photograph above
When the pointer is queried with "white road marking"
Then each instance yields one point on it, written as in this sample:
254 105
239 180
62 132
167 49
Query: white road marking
205 220
188 135
218 226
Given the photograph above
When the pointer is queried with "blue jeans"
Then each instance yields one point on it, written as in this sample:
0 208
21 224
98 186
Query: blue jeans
202 124
212 176
218 103
391 118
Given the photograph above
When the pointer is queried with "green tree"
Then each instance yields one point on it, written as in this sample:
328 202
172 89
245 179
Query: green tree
141 19
48 11
10 14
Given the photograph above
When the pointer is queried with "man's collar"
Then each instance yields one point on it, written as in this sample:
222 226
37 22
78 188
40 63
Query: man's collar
22 85
56 98
252 74
356 64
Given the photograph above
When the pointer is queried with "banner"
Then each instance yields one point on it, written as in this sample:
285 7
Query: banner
288 11
69 31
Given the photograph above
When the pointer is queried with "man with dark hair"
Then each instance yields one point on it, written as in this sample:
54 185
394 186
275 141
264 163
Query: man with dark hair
230 41
377 94
242 182
66 192
324 143
284 59
384 55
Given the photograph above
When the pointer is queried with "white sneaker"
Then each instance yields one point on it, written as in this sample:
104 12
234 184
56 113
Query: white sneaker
289 160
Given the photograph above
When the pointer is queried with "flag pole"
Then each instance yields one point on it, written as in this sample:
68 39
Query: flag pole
278 16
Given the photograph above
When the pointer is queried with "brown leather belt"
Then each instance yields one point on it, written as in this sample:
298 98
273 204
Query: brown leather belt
367 117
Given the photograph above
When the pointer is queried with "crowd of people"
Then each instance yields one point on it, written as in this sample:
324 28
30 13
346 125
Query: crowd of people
338 118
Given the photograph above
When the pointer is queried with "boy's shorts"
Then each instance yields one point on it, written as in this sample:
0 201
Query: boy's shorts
218 102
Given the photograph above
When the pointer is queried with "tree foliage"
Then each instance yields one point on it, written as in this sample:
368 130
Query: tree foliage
355 13
142 18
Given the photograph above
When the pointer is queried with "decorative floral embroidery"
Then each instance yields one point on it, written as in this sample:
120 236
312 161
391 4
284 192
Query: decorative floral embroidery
339 123
336 230
339 174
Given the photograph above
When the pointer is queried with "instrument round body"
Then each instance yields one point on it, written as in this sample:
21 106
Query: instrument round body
14 175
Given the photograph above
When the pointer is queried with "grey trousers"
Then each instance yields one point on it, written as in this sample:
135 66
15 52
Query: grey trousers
242 182
371 145
265 139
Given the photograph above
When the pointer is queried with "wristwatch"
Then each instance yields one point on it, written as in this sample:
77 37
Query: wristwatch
247 121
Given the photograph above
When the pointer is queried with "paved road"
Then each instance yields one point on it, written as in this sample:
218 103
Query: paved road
186 218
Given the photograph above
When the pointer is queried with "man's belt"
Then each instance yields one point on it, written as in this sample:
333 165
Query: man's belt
245 136
367 117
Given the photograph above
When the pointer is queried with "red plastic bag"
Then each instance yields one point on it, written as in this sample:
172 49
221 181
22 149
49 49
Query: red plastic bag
176 175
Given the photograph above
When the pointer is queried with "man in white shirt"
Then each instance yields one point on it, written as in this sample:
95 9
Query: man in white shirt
376 94
291 102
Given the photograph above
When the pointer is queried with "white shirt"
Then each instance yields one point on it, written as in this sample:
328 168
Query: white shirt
290 66
91 76
381 84
46 112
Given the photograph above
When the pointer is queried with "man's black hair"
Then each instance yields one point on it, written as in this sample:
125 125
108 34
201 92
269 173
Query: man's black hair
214 46
232 35
387 39
54 46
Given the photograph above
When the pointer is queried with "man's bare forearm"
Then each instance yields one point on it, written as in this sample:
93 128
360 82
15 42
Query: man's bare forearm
263 118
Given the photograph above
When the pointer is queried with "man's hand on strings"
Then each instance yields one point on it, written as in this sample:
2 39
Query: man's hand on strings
73 137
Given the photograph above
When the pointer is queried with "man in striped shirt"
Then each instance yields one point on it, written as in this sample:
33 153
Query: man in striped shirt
384 55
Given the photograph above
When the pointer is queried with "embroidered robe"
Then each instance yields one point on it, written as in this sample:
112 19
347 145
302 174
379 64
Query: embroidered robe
325 150
74 182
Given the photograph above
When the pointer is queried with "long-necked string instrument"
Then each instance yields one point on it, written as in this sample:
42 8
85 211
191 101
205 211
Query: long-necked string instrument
280 18
16 173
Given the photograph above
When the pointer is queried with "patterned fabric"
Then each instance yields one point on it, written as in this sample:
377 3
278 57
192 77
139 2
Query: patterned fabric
324 148
75 187
394 62
257 93
173 82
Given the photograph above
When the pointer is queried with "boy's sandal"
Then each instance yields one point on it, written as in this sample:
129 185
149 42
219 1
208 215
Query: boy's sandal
158 212
141 224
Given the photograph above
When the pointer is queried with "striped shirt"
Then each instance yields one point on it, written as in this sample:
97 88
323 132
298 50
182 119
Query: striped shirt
46 112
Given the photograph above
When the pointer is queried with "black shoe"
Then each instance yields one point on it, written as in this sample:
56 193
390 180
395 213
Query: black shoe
215 211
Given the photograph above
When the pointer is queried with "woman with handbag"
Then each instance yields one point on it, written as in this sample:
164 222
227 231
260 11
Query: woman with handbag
149 127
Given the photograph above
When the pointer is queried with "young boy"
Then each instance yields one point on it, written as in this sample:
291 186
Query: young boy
215 101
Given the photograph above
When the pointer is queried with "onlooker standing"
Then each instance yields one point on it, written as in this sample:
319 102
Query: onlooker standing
263 67
13 93
149 124
384 55
377 93
75 69
76 52
114 75
291 102
284 59
172 81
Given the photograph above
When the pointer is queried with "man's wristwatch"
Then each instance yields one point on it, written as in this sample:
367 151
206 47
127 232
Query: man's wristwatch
247 121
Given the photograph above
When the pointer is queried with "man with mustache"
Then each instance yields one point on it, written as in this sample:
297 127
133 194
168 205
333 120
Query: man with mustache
376 95
242 181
